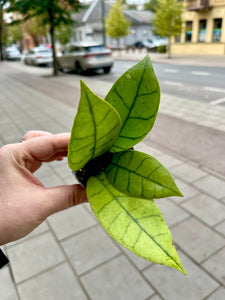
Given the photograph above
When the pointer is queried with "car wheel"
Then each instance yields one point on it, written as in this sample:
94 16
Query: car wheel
78 68
106 70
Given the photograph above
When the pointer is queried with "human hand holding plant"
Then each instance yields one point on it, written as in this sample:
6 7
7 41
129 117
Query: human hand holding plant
121 182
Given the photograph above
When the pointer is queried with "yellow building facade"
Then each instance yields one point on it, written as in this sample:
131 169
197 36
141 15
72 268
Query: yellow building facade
204 28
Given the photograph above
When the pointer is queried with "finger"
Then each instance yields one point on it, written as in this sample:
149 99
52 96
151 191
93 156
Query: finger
63 197
45 147
34 133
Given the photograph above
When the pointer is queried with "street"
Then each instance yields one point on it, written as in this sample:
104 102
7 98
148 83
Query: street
200 83
192 82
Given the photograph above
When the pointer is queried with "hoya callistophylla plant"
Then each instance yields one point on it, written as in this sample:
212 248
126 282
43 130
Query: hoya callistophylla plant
121 183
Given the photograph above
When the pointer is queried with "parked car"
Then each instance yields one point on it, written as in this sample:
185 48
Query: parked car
152 43
38 56
85 56
12 53
144 44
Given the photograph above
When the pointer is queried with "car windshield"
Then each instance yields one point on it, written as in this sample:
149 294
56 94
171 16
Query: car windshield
95 48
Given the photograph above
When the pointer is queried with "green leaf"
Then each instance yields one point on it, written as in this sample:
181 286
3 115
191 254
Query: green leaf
136 96
135 223
95 129
141 175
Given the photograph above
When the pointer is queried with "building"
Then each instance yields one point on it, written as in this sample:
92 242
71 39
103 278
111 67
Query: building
204 28
89 25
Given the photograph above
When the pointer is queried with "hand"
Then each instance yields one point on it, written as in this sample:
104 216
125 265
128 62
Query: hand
24 202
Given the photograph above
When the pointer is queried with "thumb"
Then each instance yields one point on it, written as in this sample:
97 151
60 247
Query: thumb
62 197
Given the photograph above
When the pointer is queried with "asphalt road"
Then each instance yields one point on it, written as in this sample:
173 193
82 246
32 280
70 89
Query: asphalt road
198 83
191 82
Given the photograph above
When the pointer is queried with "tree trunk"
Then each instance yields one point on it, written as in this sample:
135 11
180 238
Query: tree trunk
55 67
1 30
52 35
169 47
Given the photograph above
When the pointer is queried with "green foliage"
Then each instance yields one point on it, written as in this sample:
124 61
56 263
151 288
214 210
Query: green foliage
151 5
140 175
137 111
116 24
168 18
161 49
14 34
96 127
122 182
135 223
63 34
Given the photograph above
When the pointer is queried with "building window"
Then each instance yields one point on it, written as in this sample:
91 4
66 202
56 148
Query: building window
202 31
188 33
217 25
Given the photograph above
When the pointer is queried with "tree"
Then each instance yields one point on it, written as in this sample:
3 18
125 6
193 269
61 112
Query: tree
116 24
14 34
63 34
2 26
168 20
35 28
151 5
53 13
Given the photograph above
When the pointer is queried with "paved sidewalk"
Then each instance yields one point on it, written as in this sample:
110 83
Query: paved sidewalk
71 257
194 60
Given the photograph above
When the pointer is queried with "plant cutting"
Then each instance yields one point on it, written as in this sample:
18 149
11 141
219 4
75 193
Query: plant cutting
122 183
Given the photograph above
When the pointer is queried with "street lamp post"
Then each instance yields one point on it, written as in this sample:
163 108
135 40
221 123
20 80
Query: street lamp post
103 23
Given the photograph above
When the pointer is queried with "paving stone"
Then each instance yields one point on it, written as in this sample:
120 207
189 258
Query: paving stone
186 189
52 180
56 284
7 288
172 284
218 295
32 256
215 265
89 249
139 262
116 279
144 147
71 221
70 180
167 160
206 208
187 172
196 239
221 228
40 229
63 169
171 212
155 297
212 185
44 171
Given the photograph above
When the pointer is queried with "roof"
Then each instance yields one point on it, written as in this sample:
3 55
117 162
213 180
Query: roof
94 14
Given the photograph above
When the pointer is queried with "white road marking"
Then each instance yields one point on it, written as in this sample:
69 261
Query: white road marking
218 101
213 89
171 70
200 73
173 83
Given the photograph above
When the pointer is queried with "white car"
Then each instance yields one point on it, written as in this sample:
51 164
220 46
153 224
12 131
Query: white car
38 56
85 56
12 53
